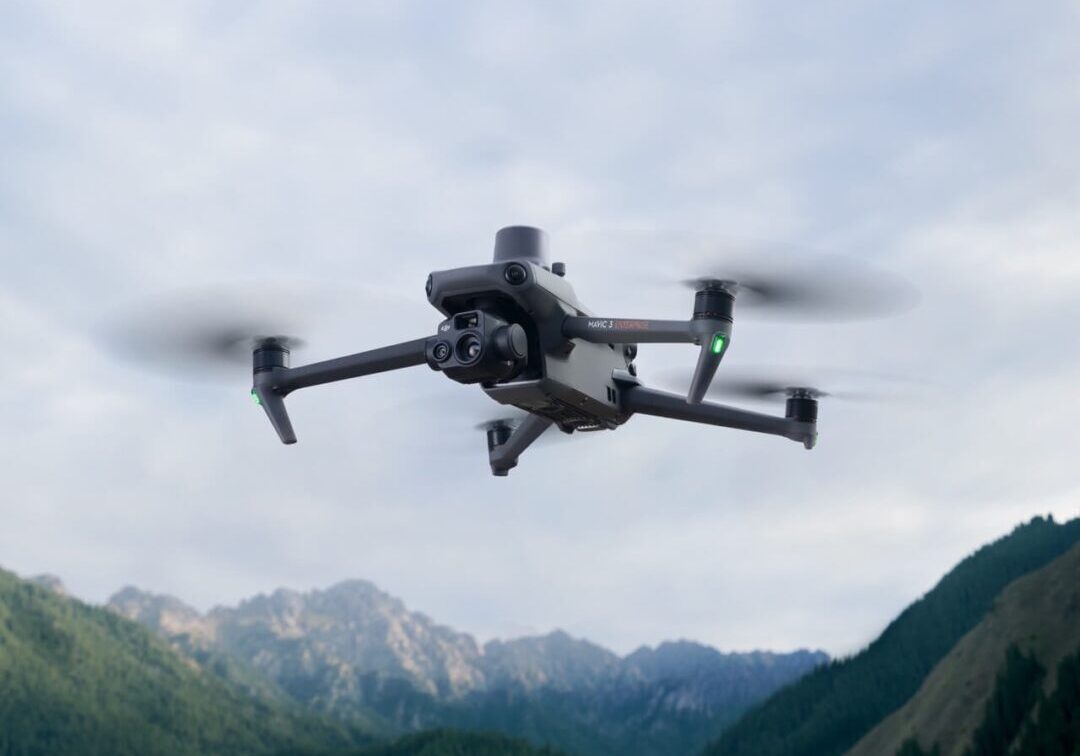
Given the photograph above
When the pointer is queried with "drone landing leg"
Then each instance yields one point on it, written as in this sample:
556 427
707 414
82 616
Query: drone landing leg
645 401
504 457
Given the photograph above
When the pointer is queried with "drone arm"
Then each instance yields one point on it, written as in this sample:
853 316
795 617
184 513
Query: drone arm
274 380
505 456
614 331
712 334
380 360
646 401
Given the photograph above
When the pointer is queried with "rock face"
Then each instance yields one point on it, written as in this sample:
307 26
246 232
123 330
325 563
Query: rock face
701 679
554 661
350 628
353 649
164 614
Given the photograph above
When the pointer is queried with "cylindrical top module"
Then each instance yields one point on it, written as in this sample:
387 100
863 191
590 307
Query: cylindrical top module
522 243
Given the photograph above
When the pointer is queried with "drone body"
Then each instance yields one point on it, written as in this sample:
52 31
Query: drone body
516 328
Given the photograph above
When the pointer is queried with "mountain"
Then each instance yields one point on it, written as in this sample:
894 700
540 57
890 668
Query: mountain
76 679
829 710
354 651
1038 615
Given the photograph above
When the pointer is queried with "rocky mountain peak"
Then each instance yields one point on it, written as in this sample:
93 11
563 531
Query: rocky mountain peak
353 645
685 659
166 614
51 582
555 660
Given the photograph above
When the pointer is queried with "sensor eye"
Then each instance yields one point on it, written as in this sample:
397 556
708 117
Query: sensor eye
441 352
516 274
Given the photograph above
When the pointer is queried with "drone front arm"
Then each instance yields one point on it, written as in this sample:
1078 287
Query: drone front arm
616 331
646 401
274 379
711 333
395 357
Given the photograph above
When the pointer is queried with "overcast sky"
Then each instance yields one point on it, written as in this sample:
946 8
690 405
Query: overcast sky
150 148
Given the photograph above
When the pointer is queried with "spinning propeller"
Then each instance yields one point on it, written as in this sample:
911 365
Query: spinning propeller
766 384
808 286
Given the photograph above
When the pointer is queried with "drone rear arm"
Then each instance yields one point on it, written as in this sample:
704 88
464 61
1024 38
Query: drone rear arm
615 331
274 379
646 401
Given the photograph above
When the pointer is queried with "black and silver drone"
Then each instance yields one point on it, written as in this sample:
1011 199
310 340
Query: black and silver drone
516 328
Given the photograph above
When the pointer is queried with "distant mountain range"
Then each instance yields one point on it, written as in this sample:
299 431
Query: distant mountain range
353 650
987 662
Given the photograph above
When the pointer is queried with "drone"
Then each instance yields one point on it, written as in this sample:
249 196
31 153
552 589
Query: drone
516 328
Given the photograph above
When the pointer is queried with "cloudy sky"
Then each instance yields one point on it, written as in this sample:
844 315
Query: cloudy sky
149 149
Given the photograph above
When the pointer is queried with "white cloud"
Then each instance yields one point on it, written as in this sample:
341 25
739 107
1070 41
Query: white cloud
145 148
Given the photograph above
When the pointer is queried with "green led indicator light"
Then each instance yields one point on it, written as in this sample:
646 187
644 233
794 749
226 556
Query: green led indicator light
718 342
255 397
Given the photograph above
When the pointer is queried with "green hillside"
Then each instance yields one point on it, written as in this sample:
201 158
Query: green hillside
446 743
979 696
829 710
75 679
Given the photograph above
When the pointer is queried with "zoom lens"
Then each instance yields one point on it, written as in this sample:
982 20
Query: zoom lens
441 352
469 348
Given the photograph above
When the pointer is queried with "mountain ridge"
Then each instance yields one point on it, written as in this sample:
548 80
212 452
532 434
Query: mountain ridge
172 617
353 648
1038 613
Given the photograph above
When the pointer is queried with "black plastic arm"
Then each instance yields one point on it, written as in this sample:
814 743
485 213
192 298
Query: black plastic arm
274 380
504 457
711 333
407 354
615 331
646 401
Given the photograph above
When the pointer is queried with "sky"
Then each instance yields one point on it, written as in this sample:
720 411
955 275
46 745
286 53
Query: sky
344 150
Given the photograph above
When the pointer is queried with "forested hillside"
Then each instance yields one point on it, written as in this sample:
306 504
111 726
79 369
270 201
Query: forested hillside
827 711
79 680
446 743
987 687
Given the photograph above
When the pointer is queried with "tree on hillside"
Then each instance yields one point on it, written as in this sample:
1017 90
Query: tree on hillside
1055 730
826 712
1016 691
911 747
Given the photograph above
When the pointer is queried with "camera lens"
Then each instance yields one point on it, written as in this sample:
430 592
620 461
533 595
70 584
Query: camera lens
441 352
515 273
469 348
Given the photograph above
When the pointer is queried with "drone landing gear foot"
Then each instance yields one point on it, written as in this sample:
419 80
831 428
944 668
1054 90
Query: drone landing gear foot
506 445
